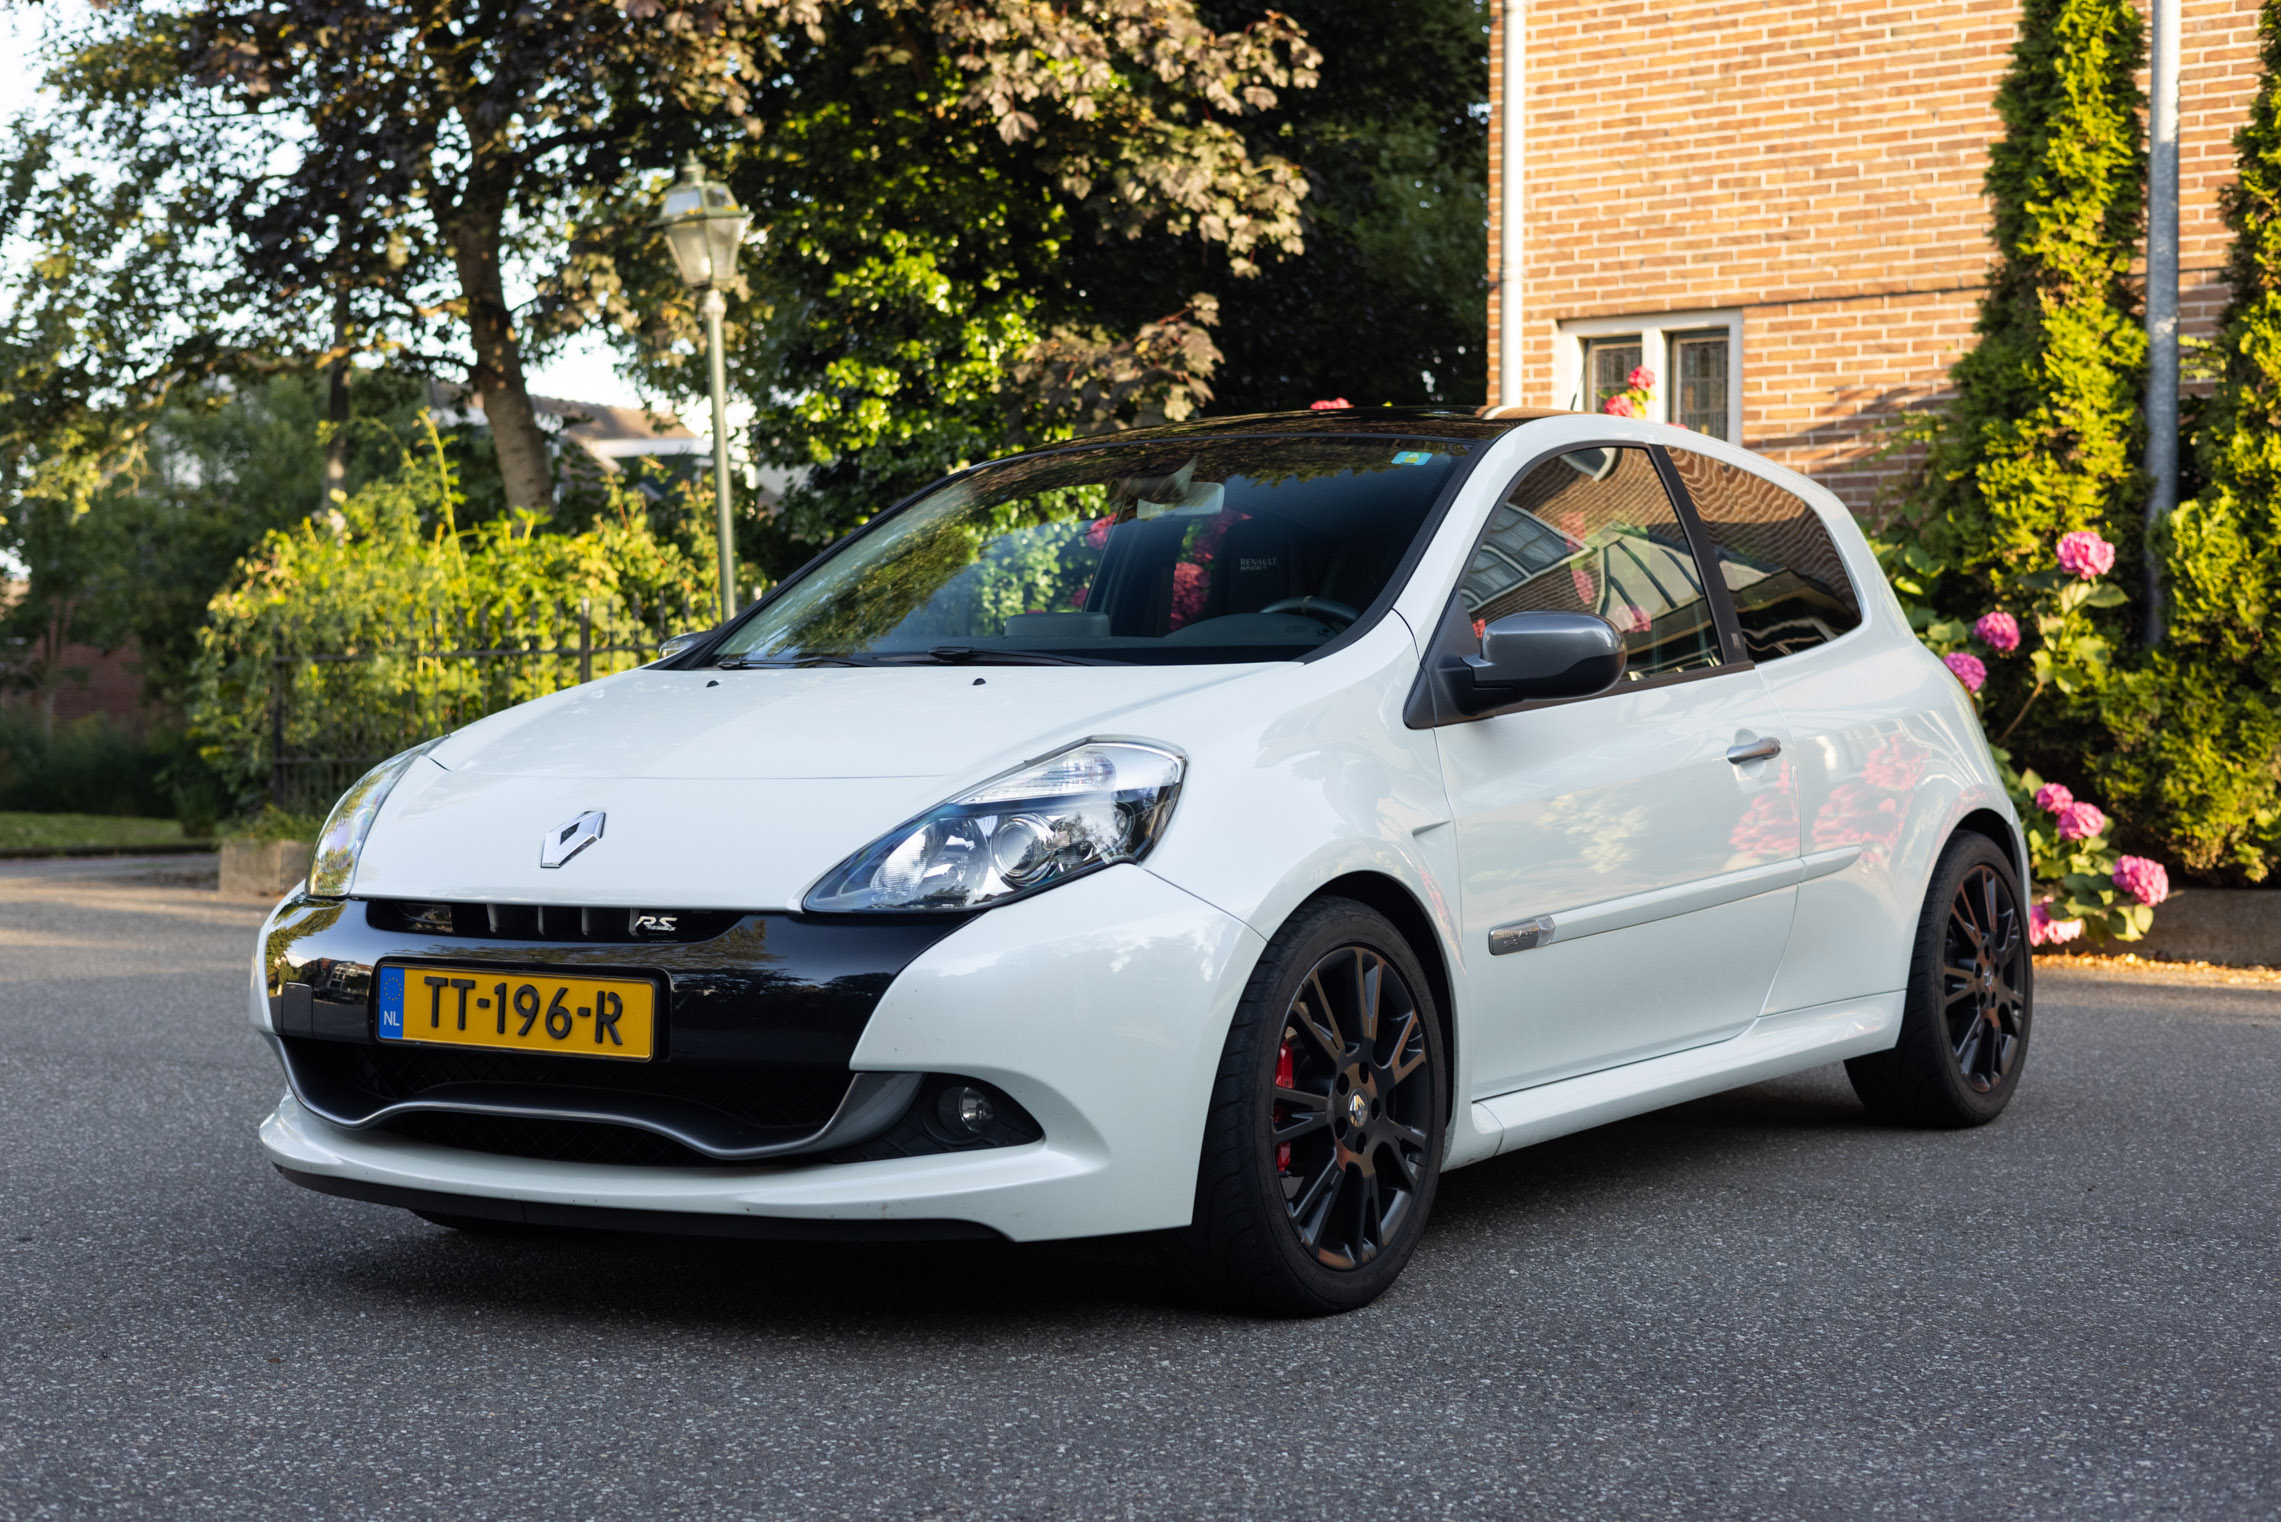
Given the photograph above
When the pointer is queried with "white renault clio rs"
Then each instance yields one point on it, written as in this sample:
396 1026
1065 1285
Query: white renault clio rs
1220 829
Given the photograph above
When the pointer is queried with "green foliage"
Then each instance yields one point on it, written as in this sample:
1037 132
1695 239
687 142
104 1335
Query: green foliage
346 644
938 278
1390 302
37 834
2196 731
2043 436
2196 754
91 767
269 824
2042 440
2074 879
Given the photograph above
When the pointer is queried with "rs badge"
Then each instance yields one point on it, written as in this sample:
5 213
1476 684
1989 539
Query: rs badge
565 841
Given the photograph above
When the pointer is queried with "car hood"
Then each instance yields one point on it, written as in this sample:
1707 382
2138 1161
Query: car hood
728 789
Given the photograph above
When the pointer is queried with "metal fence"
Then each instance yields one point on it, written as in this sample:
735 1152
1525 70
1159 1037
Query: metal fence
335 713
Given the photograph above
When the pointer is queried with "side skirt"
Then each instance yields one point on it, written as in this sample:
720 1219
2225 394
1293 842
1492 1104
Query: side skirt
1770 1047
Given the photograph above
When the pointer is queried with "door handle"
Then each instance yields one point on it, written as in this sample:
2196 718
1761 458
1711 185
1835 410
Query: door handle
1755 750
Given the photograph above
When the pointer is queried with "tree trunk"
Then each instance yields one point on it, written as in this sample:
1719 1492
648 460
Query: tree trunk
498 375
336 412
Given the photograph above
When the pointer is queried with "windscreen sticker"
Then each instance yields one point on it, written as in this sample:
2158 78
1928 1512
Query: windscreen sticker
1414 457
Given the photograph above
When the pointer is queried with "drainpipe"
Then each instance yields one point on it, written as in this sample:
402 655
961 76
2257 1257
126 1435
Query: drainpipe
1509 172
2161 302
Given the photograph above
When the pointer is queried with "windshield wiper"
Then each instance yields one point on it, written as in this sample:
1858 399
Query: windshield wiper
789 663
942 655
969 655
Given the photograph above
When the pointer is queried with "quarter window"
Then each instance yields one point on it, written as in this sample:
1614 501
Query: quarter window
1783 572
1593 531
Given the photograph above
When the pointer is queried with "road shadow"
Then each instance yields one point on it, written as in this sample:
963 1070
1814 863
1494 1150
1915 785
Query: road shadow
990 1288
1691 1146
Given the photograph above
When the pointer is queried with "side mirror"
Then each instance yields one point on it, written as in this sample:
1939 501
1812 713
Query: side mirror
1545 655
679 644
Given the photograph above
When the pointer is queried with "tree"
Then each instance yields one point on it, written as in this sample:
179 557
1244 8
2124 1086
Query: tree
2043 436
427 149
431 150
2197 733
926 197
1390 302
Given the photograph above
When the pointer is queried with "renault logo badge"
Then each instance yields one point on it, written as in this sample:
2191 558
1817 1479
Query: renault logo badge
565 841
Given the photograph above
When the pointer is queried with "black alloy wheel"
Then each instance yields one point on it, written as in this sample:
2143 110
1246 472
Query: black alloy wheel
1982 980
1964 1028
1322 1149
1350 1117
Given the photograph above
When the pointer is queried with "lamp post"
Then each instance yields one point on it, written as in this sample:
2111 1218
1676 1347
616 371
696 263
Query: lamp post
704 227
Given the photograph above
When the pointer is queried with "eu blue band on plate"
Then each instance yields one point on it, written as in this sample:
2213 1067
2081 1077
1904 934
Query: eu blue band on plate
1413 457
391 1003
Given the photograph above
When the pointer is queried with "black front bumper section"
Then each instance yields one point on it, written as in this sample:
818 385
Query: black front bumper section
771 1000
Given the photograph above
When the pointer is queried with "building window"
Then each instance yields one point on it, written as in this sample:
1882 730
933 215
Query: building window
1696 357
1699 381
1610 362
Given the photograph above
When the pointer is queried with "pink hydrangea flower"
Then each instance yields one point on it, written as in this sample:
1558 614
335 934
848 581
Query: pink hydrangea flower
2146 881
2043 930
1999 631
2054 798
1618 405
2081 821
1968 670
1333 405
2083 553
1641 379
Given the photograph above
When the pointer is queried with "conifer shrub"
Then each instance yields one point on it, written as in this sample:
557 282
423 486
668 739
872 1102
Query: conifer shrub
2195 730
2035 465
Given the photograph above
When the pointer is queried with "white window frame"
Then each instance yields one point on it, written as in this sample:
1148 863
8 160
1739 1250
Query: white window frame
1655 332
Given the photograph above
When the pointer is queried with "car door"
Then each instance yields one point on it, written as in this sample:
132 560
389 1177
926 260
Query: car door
1858 766
1625 860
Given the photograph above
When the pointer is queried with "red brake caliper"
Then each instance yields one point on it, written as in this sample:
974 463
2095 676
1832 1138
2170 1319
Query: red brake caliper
1285 1078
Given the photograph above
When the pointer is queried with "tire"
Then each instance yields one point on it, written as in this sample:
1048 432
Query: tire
1323 1145
1971 999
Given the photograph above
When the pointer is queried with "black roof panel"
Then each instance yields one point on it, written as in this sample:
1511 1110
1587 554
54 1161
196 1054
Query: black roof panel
1411 422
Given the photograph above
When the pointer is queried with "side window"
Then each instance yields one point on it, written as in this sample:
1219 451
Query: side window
1789 587
1593 531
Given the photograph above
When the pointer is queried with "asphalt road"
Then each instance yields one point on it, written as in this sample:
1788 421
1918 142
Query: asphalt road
1755 1306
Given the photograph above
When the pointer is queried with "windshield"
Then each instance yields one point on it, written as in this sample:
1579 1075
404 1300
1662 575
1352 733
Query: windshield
1192 551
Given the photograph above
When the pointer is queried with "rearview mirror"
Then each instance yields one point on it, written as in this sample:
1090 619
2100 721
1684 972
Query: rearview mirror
1546 655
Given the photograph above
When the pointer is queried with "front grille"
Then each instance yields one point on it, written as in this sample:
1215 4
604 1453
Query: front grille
548 922
774 1097
561 1141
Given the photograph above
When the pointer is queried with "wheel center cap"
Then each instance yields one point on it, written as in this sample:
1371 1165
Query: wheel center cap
1357 1108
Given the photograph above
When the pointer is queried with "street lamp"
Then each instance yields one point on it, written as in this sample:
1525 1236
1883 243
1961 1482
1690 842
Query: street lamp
704 227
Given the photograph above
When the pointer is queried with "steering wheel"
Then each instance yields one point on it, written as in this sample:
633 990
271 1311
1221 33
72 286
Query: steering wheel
1315 607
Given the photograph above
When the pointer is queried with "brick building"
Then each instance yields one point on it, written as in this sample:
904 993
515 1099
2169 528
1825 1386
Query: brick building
1775 205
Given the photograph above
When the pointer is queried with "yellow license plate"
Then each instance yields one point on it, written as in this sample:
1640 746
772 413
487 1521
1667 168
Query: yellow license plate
519 1011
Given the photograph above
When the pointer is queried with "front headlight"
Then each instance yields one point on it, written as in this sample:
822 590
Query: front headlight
351 820
1091 806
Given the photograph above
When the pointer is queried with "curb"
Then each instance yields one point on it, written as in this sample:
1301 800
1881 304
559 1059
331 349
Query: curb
2233 927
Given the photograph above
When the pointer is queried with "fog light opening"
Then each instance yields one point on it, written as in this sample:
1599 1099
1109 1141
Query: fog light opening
965 1110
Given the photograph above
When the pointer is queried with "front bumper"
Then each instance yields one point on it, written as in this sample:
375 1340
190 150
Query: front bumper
1100 1008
